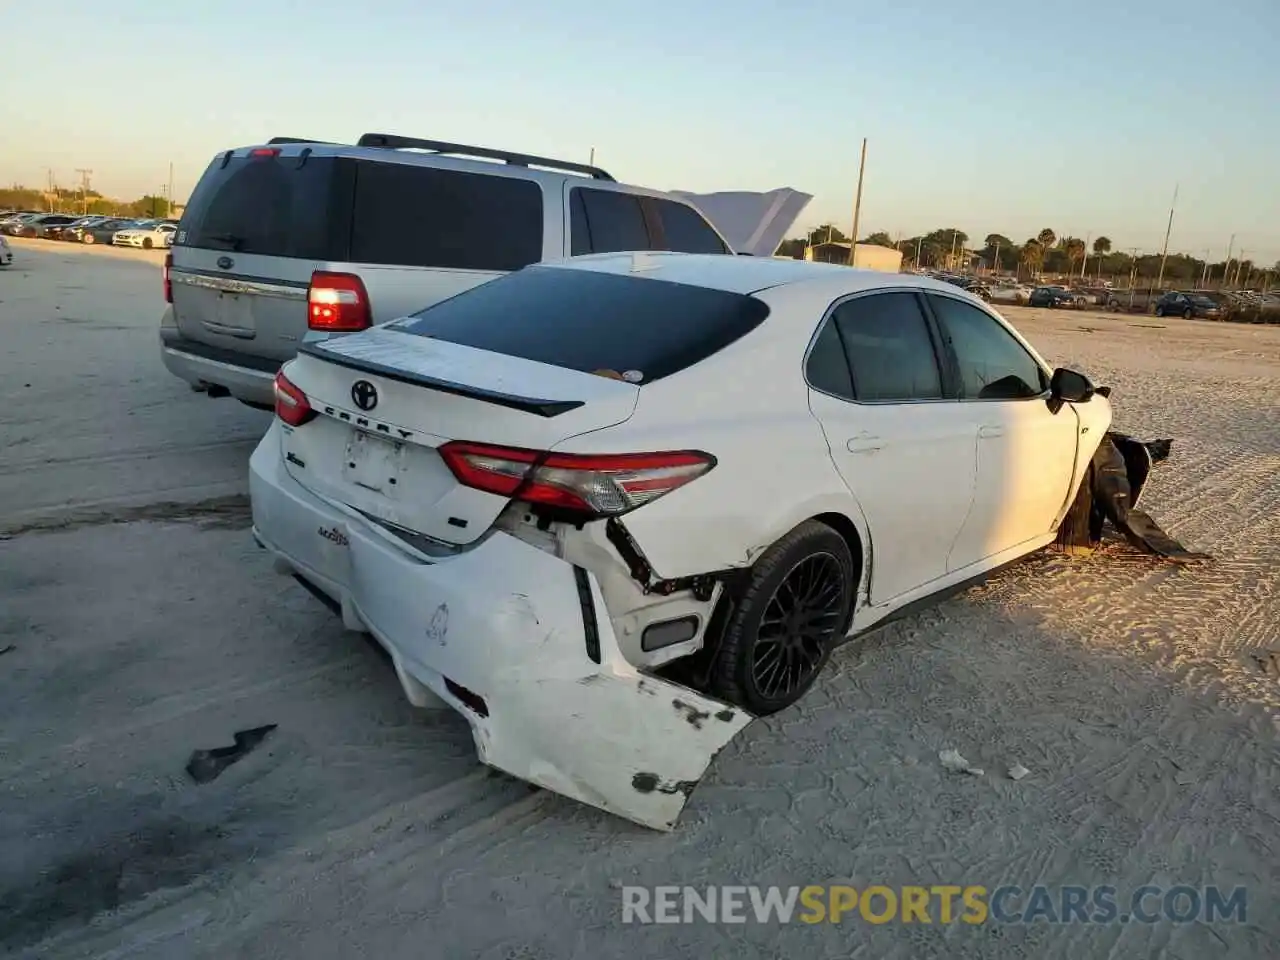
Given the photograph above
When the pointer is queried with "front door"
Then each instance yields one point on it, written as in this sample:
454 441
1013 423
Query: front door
1026 454
905 453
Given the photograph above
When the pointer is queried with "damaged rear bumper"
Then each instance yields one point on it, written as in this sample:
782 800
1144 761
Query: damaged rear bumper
513 638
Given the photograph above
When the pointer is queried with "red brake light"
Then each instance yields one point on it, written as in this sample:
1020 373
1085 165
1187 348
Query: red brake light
262 152
292 405
168 284
338 303
599 485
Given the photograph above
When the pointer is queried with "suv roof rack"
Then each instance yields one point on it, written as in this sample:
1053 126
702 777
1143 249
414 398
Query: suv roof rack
275 140
391 141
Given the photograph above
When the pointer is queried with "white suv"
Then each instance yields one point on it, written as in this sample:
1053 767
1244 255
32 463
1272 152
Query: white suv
297 240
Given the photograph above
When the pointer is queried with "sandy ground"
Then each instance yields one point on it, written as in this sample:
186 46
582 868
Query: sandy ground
144 624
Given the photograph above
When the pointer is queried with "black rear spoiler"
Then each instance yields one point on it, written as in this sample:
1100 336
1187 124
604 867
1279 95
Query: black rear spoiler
543 408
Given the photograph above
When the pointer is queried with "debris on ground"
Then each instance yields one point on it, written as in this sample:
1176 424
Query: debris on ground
1268 662
207 765
1018 771
953 762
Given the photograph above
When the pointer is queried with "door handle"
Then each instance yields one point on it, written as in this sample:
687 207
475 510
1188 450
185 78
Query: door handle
989 431
863 443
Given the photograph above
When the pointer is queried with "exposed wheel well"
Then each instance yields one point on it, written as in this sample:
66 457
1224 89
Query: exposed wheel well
844 526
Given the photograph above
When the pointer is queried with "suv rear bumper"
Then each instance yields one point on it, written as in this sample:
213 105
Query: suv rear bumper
246 378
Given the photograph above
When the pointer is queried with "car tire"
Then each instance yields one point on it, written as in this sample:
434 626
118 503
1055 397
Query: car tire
1159 311
807 577
1188 314
146 243
87 238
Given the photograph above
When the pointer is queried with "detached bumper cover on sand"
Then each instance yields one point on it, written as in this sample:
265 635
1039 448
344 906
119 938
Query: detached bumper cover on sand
509 636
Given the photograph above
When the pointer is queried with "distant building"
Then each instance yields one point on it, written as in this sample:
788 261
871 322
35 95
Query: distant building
867 256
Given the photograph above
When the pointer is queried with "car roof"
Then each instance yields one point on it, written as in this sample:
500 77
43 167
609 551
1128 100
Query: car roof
743 274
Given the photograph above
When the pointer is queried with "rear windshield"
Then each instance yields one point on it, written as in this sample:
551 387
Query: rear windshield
361 211
268 205
641 329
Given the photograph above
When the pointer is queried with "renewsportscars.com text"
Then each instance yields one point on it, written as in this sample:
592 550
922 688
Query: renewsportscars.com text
938 903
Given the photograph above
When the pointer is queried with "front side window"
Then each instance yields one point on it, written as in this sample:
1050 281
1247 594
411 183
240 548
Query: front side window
993 365
888 348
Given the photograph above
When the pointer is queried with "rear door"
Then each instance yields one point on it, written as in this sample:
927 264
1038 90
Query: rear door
902 444
421 234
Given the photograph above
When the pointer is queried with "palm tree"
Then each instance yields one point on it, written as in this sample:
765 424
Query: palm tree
1046 238
1032 254
1075 253
1102 246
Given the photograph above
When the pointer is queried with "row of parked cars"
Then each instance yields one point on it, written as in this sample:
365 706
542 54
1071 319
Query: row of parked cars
121 231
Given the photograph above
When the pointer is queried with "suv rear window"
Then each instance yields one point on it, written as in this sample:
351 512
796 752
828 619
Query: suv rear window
429 217
590 321
343 210
263 205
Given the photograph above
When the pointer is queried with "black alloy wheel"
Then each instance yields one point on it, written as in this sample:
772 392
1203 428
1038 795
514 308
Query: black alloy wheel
795 632
786 621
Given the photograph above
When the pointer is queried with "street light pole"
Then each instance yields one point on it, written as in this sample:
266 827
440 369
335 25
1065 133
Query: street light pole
1164 254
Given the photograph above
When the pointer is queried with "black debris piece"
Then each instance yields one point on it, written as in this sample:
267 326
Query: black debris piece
1118 474
207 765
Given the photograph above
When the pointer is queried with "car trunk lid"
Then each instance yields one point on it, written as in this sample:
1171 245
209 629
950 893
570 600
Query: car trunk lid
387 400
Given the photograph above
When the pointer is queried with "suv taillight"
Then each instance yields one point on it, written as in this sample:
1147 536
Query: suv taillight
292 405
338 303
168 284
598 485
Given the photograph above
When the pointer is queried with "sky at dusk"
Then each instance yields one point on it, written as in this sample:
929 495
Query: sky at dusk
999 116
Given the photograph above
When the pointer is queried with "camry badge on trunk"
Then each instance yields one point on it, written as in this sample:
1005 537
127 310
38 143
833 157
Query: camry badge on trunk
364 394
226 263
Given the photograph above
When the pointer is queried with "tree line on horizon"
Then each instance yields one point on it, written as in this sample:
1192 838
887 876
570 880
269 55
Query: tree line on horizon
75 200
1045 253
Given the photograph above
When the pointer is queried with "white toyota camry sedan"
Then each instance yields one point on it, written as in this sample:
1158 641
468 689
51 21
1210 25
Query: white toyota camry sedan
611 509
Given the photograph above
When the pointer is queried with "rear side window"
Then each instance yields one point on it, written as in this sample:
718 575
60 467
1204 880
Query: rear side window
266 205
684 230
642 329
890 351
429 217
605 221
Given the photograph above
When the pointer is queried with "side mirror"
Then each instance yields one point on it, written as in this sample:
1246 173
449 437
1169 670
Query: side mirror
1068 386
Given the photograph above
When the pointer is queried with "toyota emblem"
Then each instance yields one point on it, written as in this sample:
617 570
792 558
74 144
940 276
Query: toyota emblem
364 394
226 263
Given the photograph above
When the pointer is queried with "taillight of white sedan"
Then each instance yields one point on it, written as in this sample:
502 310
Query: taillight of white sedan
612 509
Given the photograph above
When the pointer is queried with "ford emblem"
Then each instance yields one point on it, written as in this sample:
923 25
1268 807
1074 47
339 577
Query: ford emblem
226 263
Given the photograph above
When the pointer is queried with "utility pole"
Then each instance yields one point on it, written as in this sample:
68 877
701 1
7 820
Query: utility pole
52 196
168 207
1084 260
1204 274
1133 274
1226 266
919 240
84 186
1164 254
592 160
857 205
